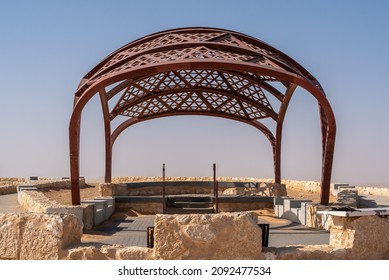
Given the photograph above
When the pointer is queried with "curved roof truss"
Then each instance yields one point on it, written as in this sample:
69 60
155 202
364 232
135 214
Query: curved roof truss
198 71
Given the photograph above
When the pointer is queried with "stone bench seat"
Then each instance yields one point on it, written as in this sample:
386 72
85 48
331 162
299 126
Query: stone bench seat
381 211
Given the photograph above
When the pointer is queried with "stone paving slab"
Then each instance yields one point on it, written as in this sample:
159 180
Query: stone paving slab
9 204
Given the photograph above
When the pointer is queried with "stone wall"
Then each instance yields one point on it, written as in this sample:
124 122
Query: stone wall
11 181
152 208
148 208
9 185
37 236
367 237
36 202
53 183
173 179
373 191
109 252
191 187
8 189
224 236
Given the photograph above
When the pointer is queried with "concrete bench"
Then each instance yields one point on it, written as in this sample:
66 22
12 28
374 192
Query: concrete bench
110 205
278 203
292 209
98 210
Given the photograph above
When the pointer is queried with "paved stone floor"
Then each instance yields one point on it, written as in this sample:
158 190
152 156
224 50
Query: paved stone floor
128 231
9 204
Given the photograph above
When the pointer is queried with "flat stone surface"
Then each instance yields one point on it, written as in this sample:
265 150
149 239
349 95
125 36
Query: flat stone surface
9 204
128 231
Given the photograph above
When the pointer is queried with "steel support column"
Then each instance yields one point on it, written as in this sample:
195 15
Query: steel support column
280 122
107 135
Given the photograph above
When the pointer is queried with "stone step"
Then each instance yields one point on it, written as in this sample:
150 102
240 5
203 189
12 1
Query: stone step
208 210
189 198
189 204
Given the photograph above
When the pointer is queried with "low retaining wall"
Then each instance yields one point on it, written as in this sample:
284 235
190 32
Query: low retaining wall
37 236
53 183
9 185
90 213
36 202
8 189
191 187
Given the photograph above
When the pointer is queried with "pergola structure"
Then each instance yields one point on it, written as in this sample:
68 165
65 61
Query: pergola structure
199 71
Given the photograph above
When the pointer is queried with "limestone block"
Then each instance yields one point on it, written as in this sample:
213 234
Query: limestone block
315 220
85 253
109 252
272 189
209 236
30 236
36 202
107 189
367 236
87 215
347 196
7 189
134 253
309 252
234 191
9 233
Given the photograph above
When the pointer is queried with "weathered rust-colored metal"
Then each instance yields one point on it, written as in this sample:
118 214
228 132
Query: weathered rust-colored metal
198 71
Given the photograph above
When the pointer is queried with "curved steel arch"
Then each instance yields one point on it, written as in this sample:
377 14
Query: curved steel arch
198 71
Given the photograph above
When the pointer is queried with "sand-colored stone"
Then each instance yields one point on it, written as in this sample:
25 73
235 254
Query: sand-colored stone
36 202
315 220
367 236
142 207
234 191
109 252
209 236
309 252
271 189
243 206
37 236
8 189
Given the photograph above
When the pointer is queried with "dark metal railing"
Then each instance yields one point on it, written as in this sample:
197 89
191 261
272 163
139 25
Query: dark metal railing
215 190
163 190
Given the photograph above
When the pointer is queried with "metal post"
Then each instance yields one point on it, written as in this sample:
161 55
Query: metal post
163 190
215 189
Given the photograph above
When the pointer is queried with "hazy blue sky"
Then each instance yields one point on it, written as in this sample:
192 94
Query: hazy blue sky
47 46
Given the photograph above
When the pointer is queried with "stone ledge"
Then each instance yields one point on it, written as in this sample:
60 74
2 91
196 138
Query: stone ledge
31 236
36 202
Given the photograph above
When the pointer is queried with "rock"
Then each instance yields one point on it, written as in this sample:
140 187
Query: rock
271 189
234 191
109 252
366 236
209 236
37 236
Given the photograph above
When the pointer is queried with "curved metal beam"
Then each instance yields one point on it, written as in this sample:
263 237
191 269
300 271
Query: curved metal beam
253 103
107 135
241 36
281 116
115 134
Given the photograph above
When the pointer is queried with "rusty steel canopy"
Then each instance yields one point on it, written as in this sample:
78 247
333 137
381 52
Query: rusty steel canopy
199 71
